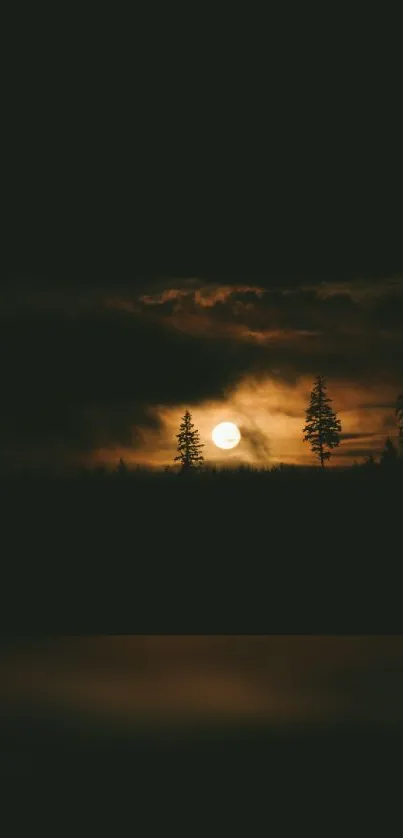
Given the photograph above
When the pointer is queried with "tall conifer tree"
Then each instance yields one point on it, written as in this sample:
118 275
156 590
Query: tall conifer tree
189 445
322 429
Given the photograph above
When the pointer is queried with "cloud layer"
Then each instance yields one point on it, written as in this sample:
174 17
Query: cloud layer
93 366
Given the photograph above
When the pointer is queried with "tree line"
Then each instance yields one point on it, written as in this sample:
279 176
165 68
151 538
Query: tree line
322 430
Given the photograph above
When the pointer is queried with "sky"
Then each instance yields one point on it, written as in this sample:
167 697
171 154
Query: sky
271 169
97 369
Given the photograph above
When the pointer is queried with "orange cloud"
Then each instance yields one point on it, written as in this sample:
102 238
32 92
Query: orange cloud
275 412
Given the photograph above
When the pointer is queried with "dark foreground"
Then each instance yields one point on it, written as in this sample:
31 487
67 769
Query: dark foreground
287 551
224 781
222 731
56 748
291 551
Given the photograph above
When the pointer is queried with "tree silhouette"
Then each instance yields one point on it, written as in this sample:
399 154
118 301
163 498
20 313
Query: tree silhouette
189 445
389 454
399 414
322 429
122 467
369 462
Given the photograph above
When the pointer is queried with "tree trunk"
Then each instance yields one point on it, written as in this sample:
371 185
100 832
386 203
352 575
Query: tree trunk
322 462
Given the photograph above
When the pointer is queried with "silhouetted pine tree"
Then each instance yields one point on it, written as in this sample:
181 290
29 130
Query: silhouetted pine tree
369 462
122 467
322 429
189 445
389 454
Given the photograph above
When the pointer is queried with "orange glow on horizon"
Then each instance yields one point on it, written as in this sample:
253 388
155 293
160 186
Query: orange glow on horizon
270 415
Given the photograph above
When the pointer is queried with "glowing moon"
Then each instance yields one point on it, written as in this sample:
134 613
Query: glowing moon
226 435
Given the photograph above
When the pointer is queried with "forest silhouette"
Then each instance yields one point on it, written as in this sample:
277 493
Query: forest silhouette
290 544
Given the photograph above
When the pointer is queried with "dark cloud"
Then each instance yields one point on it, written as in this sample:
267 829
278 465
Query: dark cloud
86 364
360 453
89 379
305 328
113 280
300 309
